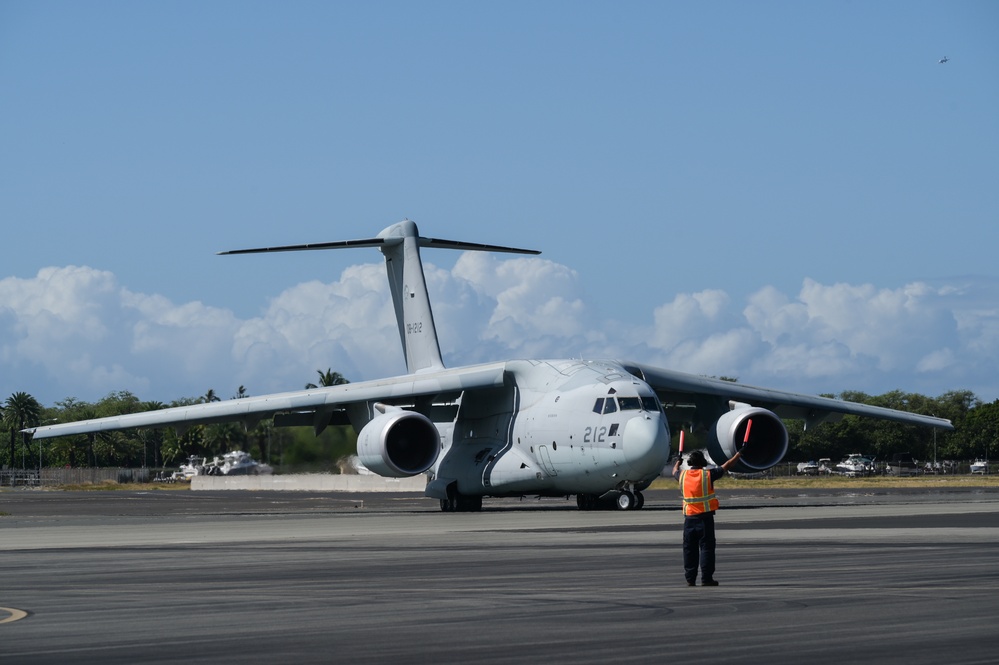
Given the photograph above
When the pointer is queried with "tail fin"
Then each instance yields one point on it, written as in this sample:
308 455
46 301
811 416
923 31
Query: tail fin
409 295
400 244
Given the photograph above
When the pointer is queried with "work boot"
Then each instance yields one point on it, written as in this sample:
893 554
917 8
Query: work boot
709 582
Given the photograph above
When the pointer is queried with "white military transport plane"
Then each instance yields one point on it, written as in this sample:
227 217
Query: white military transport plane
593 428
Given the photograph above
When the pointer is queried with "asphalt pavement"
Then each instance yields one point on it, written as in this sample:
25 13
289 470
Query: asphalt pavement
224 577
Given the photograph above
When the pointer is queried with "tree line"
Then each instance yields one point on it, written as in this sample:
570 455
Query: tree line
291 448
297 448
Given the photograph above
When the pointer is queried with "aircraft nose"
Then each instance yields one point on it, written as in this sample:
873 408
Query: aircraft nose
645 443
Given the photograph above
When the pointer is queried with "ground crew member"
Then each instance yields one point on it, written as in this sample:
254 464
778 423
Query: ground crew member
699 506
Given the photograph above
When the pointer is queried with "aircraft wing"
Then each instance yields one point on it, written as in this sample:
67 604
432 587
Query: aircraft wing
315 406
679 390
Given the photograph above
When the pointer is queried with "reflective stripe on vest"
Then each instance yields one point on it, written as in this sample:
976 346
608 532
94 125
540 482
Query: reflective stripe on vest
698 492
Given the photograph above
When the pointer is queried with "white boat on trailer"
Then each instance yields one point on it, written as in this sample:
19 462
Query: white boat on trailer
236 463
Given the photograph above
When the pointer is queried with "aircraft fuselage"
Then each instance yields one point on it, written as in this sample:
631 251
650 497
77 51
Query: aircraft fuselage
557 428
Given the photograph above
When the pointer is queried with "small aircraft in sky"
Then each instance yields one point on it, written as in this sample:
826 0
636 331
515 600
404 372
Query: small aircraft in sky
943 60
596 429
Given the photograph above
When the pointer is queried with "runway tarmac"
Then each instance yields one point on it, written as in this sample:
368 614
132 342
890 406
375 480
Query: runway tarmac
240 577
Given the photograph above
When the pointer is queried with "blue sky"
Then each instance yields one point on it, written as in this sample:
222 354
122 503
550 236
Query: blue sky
795 194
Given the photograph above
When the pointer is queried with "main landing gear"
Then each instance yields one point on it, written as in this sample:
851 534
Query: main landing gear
460 503
623 501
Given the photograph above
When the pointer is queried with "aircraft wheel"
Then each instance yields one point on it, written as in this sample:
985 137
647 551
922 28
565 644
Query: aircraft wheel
625 501
639 500
446 506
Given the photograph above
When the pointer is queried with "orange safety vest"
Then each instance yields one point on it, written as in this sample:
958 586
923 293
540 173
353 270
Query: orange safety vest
698 492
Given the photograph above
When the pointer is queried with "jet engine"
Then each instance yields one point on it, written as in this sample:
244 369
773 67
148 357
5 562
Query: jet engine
398 444
763 447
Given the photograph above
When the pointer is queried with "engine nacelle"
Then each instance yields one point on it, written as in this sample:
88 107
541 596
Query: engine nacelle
767 439
398 444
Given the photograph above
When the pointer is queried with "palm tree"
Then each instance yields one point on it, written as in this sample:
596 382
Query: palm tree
19 411
210 396
328 378
154 436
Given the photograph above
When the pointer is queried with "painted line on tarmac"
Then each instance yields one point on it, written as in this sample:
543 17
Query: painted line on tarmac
15 615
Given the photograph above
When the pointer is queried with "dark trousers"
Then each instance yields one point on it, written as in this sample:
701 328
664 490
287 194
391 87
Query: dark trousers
699 547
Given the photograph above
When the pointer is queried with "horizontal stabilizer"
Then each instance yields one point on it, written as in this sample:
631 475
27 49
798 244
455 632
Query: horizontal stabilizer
472 246
436 243
340 244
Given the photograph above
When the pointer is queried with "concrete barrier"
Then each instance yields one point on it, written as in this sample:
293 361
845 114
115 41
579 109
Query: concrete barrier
311 482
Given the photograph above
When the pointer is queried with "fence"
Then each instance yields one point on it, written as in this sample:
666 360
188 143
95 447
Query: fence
79 476
788 469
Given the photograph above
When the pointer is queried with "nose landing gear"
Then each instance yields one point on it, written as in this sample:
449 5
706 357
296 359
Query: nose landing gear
627 500
618 500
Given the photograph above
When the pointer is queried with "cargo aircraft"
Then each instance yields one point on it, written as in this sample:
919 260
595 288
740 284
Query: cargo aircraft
596 429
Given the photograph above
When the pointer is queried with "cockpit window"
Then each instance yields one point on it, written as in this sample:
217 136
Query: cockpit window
610 406
648 403
599 406
629 403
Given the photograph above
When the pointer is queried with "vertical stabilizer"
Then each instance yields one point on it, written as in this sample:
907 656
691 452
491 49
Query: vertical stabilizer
410 297
400 244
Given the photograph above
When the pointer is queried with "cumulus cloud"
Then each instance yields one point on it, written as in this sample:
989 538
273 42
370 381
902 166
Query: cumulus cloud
701 333
66 325
347 326
885 325
530 297
920 330
76 331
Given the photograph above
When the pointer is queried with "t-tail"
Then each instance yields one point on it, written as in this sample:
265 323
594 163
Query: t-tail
400 244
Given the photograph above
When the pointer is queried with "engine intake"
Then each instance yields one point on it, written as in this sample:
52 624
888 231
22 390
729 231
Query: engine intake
767 444
398 444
